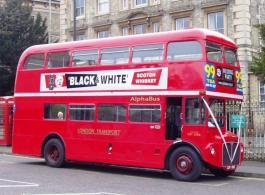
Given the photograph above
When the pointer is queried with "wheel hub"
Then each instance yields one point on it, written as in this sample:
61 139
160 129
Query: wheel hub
184 164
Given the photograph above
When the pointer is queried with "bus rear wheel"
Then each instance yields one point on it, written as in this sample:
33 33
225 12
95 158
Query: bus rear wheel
185 164
54 153
221 172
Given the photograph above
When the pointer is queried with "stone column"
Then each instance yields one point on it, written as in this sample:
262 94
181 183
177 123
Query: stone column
242 38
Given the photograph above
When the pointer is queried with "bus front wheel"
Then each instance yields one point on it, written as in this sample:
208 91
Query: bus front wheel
185 164
54 153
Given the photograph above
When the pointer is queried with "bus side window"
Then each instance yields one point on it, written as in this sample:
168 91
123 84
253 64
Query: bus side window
35 61
148 53
194 111
115 56
231 56
82 112
214 52
188 50
58 59
112 112
145 113
85 58
51 110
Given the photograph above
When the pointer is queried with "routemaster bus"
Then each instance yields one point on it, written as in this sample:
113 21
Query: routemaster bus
154 101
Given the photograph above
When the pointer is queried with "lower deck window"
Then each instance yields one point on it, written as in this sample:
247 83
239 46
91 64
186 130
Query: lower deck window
143 113
112 112
54 111
82 112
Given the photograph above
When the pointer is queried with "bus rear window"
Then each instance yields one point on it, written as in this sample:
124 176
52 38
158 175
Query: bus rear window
144 113
214 52
58 60
112 112
85 58
35 61
188 50
148 53
82 112
230 56
115 56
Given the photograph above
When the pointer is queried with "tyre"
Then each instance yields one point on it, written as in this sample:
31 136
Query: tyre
185 164
54 153
221 172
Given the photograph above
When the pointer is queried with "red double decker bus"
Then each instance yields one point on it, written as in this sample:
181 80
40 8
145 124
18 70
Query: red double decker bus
154 101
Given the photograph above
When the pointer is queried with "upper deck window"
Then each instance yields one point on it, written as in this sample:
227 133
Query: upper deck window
188 50
35 61
148 53
214 52
115 55
58 59
85 58
230 56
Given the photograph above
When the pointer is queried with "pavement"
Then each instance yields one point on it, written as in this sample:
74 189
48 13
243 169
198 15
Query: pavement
253 169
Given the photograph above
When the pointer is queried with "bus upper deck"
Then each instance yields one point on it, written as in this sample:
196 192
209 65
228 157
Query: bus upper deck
190 59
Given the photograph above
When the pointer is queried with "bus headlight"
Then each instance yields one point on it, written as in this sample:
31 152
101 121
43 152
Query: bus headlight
212 151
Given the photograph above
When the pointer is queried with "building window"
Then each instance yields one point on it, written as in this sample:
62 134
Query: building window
140 2
125 4
79 8
261 92
124 31
155 1
139 29
79 37
103 6
156 27
216 22
182 23
103 34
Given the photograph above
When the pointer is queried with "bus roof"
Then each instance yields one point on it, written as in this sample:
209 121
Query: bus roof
185 34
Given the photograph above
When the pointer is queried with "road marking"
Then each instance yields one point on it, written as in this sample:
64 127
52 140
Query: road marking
252 179
26 157
206 184
18 184
96 193
7 162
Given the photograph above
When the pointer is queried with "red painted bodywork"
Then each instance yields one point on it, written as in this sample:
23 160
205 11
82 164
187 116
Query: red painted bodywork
6 120
137 144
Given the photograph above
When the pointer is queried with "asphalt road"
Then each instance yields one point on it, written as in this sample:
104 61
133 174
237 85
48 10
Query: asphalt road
30 176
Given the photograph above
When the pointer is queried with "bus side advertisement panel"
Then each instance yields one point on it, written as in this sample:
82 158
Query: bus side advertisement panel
148 78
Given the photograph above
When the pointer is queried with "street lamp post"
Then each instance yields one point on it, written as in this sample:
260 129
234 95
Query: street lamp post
74 20
50 22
